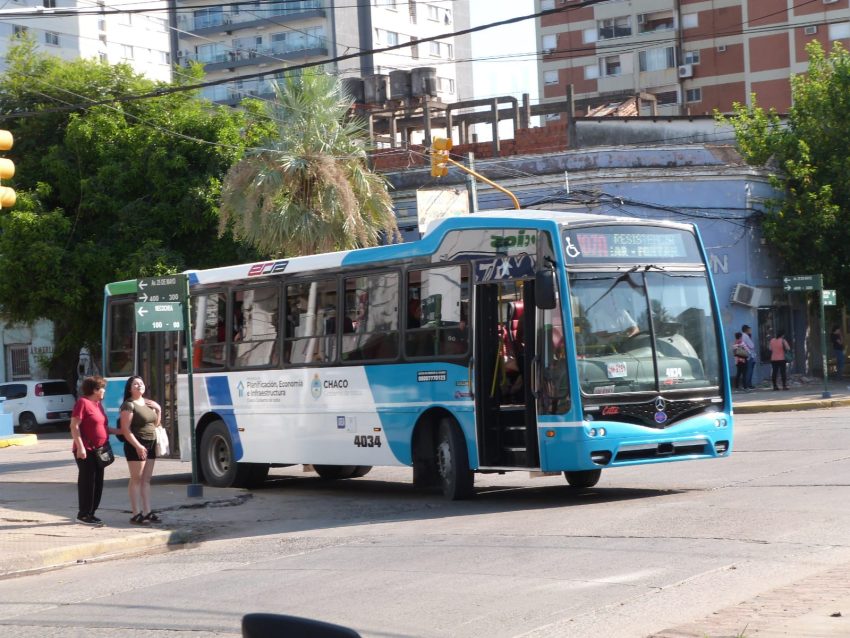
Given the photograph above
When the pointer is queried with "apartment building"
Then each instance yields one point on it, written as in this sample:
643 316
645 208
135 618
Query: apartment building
114 31
682 56
260 39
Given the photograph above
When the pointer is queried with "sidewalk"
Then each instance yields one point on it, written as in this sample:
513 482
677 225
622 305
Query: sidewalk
38 502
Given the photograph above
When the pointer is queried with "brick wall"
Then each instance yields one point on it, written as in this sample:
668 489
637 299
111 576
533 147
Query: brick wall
528 141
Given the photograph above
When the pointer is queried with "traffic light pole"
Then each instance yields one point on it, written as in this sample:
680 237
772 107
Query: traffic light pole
485 180
826 393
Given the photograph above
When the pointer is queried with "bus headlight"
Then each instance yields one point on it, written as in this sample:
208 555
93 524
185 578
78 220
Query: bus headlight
720 423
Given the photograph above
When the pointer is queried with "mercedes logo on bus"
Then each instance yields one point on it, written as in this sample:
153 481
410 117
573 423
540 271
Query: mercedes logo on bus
660 414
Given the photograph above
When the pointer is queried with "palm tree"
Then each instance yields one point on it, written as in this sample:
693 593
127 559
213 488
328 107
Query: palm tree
308 189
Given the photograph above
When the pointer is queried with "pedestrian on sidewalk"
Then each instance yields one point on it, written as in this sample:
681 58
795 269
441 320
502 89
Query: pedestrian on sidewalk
741 354
778 349
837 340
89 430
139 419
747 337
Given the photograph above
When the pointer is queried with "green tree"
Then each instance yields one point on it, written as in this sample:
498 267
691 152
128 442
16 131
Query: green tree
307 188
810 225
107 192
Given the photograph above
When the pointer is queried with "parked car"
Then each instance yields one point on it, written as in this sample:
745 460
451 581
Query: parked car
38 402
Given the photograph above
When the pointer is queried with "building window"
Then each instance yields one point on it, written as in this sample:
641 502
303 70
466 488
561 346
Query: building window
49 4
614 27
591 72
19 30
389 4
549 43
610 66
51 38
691 57
441 50
839 31
547 5
690 20
389 38
657 59
103 57
445 85
693 95
550 77
663 98
18 364
657 21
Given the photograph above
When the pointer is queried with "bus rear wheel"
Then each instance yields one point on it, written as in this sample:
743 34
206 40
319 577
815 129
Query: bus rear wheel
583 479
456 479
361 470
335 472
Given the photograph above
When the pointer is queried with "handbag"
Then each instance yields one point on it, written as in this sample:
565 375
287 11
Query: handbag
103 455
741 351
789 356
162 448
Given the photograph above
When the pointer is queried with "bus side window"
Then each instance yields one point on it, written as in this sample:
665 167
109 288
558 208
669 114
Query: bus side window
372 300
209 330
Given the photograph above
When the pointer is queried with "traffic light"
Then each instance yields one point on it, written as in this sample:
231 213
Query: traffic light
7 171
440 148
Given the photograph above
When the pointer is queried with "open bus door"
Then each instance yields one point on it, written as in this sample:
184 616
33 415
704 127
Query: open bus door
158 359
505 316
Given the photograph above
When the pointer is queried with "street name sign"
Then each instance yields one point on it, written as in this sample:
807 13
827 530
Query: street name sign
802 283
168 288
158 317
828 297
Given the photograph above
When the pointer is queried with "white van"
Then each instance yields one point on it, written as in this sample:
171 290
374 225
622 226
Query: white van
35 403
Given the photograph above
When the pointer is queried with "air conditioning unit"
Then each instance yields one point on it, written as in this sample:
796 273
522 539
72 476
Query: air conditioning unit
721 48
810 30
641 19
686 70
744 295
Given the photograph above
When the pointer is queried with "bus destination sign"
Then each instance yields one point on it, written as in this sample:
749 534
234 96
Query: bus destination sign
171 288
643 244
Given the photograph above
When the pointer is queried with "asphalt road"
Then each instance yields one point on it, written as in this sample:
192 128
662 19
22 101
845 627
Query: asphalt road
649 549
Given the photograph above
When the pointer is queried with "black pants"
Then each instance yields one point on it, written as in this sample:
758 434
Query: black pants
778 368
741 373
89 484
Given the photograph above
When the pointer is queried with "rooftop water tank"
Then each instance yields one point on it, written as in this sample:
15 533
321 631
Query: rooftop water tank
423 81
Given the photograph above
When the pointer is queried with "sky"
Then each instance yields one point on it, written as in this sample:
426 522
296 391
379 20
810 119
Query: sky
507 73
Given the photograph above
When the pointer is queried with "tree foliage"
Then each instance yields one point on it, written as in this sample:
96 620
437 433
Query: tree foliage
114 191
810 225
307 188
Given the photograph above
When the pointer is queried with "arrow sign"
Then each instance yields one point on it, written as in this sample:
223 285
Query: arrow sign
802 283
170 288
158 317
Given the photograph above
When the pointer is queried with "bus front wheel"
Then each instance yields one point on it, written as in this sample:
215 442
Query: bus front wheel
456 479
583 479
218 464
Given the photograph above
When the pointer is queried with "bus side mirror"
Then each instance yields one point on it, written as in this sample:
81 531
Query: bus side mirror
544 289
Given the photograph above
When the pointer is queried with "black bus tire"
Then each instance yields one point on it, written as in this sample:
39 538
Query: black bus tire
583 479
456 479
216 456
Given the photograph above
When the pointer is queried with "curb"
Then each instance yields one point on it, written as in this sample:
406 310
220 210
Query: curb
788 406
18 439
96 550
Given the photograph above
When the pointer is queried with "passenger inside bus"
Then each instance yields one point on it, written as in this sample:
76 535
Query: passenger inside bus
513 354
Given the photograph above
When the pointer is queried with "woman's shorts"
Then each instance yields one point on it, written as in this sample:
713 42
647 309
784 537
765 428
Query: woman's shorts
132 454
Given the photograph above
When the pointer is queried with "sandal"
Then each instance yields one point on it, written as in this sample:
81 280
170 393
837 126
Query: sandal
138 519
151 517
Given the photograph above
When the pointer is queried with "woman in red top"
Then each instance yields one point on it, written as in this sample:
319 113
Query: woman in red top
778 347
89 430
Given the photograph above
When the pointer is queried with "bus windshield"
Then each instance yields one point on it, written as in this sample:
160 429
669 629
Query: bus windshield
644 330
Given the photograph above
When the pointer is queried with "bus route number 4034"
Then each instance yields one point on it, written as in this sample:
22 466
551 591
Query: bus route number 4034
367 440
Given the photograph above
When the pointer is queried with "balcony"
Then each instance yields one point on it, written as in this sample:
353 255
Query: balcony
233 59
248 17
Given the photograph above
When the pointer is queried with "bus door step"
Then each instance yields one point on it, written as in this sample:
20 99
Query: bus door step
515 456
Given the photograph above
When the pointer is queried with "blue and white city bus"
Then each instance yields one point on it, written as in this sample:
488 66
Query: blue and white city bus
525 340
